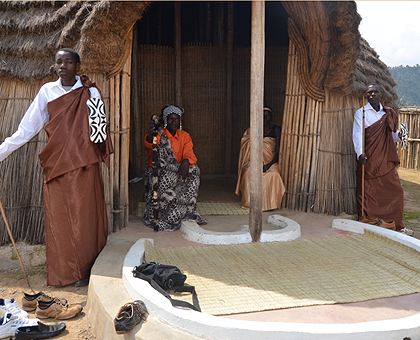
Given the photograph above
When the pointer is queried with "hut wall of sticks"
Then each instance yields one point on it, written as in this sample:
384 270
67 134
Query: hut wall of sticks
409 156
196 55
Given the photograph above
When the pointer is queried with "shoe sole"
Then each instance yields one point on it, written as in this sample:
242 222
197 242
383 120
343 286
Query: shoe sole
46 316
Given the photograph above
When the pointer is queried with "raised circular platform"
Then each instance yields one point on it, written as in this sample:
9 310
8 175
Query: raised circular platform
283 229
112 285
212 327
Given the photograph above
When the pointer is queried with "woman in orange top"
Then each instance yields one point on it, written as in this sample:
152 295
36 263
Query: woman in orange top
176 178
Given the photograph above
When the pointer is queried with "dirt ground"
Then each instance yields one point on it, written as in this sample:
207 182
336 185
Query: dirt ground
13 283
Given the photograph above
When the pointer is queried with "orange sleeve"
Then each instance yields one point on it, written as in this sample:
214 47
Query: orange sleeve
188 152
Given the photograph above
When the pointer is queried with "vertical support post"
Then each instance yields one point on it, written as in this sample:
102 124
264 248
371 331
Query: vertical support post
125 138
178 94
256 119
229 84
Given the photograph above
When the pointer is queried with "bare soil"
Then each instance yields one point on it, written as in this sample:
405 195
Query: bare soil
13 283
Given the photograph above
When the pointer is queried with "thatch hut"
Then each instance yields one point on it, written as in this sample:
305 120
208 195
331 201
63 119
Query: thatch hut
144 55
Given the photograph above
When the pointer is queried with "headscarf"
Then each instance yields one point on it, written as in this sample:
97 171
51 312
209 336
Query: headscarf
171 109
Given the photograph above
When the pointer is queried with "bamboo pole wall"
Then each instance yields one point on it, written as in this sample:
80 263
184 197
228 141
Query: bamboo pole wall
104 87
317 160
336 185
240 100
21 176
153 88
120 95
409 157
275 80
204 100
299 140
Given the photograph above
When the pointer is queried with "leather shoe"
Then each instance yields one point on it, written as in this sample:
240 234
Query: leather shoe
81 283
130 315
57 309
40 331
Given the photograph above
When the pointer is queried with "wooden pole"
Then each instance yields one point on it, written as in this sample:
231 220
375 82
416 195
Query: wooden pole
229 93
178 94
125 138
363 165
14 244
256 119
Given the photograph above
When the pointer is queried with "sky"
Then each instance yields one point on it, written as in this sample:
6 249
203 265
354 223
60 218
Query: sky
392 29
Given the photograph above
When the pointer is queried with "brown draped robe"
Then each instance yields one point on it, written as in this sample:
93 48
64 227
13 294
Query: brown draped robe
76 226
273 186
384 196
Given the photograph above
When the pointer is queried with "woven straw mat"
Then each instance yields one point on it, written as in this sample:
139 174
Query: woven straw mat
231 279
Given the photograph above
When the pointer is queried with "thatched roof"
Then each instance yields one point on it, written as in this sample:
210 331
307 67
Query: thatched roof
370 69
339 57
32 31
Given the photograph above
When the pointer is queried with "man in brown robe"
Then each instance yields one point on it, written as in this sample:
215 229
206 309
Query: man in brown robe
76 225
383 193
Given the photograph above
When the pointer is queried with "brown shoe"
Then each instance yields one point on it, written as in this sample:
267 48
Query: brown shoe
130 315
29 301
57 309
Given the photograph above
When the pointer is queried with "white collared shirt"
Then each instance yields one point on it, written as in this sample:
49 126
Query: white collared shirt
37 115
371 117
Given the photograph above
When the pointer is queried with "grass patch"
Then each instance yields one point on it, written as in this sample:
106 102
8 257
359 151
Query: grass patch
411 215
14 256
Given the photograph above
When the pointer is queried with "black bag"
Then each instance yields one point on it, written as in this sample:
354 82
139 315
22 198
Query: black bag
166 277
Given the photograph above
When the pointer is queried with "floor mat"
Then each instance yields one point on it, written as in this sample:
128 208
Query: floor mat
241 278
209 208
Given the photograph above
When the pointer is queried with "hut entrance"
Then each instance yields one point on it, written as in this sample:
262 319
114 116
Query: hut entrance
197 55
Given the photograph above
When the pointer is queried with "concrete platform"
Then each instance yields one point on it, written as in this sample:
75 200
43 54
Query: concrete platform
390 318
276 228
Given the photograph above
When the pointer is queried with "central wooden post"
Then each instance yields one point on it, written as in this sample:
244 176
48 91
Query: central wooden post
256 121
178 94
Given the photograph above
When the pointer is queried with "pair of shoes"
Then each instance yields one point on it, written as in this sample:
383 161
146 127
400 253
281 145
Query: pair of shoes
81 283
10 306
29 301
39 331
406 231
57 309
10 323
130 315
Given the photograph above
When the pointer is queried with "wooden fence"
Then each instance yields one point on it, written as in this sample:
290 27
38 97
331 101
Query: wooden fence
409 157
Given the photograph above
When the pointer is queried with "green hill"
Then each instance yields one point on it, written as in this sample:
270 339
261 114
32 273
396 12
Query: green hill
408 88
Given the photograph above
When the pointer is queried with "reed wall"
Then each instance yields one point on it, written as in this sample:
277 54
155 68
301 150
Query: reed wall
316 152
204 97
409 157
336 173
21 177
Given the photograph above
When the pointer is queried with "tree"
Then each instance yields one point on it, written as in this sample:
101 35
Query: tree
408 88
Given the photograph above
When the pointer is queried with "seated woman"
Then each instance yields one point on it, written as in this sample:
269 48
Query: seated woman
273 186
172 182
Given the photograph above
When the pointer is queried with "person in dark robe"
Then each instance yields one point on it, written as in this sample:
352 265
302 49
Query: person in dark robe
383 193
76 225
